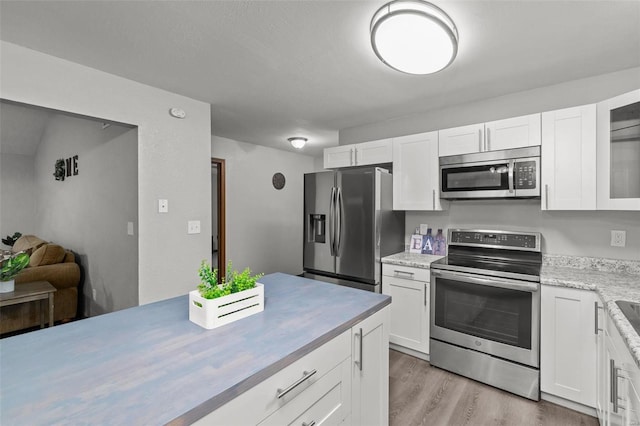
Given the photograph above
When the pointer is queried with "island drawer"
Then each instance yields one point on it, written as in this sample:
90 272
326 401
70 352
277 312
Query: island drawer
326 402
284 387
405 272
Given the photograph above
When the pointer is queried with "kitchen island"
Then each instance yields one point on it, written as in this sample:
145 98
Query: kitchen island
151 365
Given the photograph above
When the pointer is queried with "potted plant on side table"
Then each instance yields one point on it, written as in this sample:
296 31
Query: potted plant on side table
214 303
10 266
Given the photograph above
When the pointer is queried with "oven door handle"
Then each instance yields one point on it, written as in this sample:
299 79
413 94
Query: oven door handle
490 282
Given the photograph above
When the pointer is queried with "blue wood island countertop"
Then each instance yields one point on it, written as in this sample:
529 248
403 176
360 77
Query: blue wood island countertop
151 365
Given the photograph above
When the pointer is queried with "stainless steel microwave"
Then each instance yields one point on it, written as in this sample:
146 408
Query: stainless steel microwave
509 173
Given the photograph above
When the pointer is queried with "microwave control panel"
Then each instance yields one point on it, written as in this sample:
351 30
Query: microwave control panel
525 175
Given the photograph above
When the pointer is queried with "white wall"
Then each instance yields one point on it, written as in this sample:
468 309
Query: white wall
572 93
88 213
173 156
17 200
264 225
570 233
563 232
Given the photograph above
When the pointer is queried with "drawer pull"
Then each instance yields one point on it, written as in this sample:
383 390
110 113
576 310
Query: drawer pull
403 273
305 376
313 423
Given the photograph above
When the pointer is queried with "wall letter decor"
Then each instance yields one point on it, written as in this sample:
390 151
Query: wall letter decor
66 168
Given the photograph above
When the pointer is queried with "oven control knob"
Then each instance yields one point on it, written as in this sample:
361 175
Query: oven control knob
478 343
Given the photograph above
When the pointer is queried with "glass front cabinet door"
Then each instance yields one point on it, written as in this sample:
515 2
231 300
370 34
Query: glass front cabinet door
618 152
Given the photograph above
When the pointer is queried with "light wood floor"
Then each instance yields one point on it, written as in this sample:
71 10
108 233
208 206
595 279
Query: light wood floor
423 395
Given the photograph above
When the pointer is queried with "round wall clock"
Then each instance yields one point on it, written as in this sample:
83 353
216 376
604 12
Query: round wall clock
278 180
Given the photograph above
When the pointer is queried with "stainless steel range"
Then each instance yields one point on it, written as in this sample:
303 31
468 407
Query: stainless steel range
485 309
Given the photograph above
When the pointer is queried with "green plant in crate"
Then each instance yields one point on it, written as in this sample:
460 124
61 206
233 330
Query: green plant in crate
233 282
11 265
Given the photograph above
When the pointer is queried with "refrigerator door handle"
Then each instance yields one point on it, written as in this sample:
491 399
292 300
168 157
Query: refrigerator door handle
332 209
339 211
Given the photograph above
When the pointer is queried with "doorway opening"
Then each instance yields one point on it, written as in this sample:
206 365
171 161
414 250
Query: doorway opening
218 243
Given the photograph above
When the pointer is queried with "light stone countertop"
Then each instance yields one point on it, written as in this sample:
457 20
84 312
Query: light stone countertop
611 279
414 260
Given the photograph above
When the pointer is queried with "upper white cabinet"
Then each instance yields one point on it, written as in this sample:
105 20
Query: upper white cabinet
416 181
568 344
361 154
618 152
509 133
569 159
461 140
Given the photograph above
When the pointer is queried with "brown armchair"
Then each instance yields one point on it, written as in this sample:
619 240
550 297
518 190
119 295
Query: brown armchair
52 263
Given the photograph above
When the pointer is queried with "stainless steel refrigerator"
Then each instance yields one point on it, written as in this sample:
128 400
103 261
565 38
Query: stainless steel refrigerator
349 225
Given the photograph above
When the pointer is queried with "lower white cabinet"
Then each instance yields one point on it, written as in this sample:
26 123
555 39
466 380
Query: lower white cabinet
618 379
409 290
370 377
345 381
568 344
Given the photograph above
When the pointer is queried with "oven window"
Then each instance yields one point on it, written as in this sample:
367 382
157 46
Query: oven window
489 177
492 313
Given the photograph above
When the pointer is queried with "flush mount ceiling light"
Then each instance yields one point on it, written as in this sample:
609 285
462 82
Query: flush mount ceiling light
414 37
297 142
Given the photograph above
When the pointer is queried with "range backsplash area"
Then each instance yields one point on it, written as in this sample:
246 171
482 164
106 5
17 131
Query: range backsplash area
575 233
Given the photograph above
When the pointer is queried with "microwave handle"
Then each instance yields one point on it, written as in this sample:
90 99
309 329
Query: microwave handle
512 165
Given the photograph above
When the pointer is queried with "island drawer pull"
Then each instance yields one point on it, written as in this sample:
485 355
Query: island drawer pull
313 423
305 375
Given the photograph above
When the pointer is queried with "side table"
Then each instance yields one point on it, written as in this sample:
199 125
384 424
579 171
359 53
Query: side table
30 292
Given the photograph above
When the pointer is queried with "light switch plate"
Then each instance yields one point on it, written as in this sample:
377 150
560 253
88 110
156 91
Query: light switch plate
129 228
193 227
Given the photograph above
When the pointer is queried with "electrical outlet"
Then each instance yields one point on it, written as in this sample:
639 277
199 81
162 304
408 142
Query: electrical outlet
94 293
193 227
618 238
163 206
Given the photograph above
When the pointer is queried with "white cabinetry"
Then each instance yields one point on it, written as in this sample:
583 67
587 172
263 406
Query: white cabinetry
618 150
618 379
416 181
569 159
361 154
409 289
568 344
509 133
344 381
370 378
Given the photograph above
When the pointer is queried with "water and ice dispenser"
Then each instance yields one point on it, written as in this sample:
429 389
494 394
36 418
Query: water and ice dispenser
317 228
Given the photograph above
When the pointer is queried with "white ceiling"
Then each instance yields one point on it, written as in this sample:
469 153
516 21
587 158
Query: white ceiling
275 69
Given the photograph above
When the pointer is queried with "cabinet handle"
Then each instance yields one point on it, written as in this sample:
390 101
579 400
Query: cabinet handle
351 156
425 294
488 141
480 140
405 273
613 373
305 376
597 328
433 198
356 151
361 337
313 423
546 197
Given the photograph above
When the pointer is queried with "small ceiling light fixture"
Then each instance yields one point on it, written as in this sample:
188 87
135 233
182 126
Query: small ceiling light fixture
298 142
414 36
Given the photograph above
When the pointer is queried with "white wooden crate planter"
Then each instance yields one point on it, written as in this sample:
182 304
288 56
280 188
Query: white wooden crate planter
212 313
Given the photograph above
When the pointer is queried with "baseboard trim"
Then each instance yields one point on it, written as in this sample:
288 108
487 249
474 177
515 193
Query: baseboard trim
408 351
575 406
